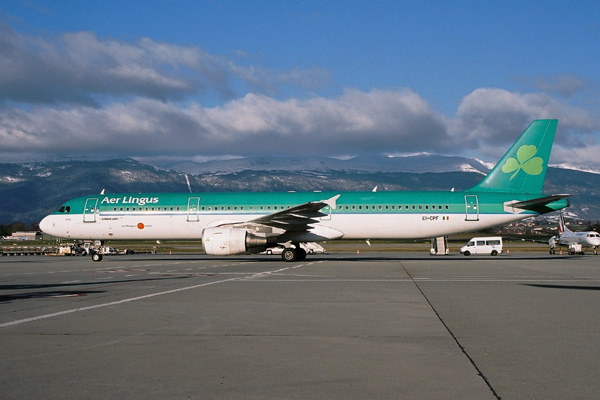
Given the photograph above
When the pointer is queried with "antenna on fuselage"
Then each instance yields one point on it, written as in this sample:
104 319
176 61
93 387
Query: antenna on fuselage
102 192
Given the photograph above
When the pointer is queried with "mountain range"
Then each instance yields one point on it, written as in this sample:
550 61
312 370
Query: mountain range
31 190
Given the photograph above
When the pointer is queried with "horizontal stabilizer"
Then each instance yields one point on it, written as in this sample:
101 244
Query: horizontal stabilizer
535 204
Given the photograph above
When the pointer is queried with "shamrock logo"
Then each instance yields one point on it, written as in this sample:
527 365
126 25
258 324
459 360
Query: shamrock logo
525 161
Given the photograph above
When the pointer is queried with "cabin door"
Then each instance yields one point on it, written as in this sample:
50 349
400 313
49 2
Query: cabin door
193 209
472 208
89 211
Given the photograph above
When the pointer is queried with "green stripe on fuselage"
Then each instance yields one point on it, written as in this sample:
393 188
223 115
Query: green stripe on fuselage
266 203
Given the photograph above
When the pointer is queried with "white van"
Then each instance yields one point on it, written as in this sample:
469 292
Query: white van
483 245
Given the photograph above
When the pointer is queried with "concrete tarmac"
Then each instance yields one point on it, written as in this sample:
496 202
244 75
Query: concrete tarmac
336 326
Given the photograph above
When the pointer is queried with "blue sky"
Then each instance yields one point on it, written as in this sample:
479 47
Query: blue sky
213 79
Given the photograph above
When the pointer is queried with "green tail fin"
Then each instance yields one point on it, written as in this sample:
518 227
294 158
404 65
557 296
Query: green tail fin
523 167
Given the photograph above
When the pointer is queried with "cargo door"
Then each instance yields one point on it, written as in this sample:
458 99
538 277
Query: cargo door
472 208
89 211
193 209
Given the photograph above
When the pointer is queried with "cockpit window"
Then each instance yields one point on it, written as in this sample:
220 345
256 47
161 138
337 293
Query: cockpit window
65 209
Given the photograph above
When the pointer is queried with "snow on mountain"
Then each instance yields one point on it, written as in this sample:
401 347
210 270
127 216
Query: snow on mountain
575 168
414 163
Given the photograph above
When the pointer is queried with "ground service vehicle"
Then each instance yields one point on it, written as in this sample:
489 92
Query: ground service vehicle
483 245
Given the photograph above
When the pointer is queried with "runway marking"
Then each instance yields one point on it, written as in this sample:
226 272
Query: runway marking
113 303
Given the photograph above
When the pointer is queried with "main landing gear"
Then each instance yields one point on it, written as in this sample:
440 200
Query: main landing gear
291 254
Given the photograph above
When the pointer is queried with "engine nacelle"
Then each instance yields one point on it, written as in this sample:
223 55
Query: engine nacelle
227 241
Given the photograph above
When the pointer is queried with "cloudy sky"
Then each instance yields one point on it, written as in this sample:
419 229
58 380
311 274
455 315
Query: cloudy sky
215 79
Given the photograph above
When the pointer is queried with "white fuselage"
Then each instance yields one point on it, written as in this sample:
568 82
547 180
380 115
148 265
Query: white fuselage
177 226
587 239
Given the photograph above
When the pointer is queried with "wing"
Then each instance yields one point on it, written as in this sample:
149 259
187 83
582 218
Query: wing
297 218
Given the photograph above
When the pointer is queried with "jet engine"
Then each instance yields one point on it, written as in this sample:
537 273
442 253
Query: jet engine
227 241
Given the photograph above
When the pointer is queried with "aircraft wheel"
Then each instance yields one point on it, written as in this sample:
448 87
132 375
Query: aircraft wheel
289 254
301 254
96 257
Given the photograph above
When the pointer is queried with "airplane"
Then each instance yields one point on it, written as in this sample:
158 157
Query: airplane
574 241
248 223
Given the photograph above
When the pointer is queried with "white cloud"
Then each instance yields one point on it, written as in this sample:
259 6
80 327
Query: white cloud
565 85
81 68
77 93
378 121
491 119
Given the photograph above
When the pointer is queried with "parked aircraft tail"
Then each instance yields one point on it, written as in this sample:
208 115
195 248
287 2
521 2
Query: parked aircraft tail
562 227
523 167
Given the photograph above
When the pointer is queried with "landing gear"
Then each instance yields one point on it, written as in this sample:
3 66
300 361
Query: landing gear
96 257
291 254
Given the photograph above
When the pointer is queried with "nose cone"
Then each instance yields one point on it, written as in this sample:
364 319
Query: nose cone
47 226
